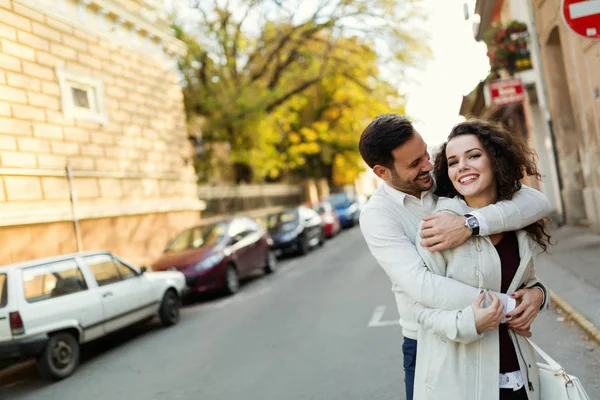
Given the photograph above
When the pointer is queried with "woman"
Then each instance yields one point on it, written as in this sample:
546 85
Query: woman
479 165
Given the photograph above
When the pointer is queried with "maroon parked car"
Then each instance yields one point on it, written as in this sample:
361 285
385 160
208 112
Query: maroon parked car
217 256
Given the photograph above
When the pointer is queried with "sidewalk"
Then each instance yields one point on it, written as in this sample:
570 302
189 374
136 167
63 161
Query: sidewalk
572 272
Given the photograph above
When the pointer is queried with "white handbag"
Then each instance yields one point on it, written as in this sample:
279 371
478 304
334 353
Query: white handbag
555 383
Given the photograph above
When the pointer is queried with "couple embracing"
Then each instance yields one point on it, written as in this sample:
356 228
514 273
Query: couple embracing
458 239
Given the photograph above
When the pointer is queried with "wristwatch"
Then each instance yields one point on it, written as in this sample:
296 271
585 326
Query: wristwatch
472 224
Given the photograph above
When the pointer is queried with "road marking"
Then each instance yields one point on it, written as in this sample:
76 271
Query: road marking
376 321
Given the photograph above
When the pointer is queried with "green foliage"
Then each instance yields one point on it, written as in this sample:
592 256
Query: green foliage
290 91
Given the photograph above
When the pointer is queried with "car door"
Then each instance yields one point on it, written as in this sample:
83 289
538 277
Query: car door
148 293
118 292
239 246
256 243
313 224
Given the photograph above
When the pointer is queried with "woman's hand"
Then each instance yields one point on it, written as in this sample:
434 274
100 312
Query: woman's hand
487 319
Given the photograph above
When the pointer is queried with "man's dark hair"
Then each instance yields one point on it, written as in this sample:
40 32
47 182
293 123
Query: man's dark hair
385 133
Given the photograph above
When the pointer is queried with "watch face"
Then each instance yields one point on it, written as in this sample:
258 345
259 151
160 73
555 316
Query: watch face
472 222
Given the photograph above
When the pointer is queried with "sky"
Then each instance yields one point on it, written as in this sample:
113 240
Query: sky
457 66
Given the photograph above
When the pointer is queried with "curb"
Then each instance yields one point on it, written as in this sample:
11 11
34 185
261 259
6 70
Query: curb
15 369
581 320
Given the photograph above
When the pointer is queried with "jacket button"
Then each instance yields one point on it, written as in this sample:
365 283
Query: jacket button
529 365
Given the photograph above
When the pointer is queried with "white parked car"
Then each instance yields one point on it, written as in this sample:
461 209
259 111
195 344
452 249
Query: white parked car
49 307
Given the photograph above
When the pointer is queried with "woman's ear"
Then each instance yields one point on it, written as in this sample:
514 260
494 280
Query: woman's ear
382 172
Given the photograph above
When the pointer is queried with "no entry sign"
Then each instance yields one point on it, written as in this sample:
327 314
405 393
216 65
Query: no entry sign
582 16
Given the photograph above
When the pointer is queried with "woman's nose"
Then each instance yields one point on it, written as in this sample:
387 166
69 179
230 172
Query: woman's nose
462 165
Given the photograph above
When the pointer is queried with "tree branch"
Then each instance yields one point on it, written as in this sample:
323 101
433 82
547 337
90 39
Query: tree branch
299 89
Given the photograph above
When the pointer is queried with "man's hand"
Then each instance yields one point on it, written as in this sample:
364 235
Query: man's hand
444 231
487 319
529 302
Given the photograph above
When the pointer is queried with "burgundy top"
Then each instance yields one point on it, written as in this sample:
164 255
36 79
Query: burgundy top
508 250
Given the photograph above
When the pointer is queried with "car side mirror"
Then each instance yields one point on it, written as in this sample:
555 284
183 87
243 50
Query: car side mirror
143 270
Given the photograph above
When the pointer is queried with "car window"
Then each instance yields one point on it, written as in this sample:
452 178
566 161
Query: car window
212 234
323 208
340 200
104 269
197 240
125 271
284 220
52 280
3 290
181 241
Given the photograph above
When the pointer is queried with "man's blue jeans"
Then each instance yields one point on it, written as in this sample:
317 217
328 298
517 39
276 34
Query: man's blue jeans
409 350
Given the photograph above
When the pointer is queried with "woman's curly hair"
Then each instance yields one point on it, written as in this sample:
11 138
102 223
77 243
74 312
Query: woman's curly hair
511 159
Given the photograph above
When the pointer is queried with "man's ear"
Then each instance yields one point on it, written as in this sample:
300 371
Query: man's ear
382 172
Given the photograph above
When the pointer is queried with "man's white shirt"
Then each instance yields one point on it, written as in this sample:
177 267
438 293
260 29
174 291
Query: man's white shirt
390 224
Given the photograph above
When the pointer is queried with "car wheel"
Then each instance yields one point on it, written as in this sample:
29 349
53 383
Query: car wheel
169 309
303 246
322 239
60 356
270 262
232 280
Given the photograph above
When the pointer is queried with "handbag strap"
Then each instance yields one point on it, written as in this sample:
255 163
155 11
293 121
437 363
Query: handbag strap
553 364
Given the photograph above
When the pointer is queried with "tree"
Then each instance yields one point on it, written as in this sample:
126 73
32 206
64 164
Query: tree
315 133
252 61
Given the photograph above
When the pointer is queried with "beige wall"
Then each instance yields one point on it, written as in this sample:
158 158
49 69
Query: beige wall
133 165
570 63
138 239
146 132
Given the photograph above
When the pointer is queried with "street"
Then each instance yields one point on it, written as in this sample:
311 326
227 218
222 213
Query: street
321 327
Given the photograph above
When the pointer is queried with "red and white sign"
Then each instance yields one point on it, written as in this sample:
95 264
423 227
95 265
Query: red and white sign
582 16
506 91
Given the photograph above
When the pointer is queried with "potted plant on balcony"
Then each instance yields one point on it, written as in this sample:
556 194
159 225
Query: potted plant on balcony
508 48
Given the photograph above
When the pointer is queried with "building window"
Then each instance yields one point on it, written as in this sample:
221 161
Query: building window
82 97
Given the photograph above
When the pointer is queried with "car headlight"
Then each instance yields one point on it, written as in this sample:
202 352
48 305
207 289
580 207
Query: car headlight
210 261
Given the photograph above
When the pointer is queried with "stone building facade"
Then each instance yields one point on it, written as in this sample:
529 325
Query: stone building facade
571 64
527 119
94 151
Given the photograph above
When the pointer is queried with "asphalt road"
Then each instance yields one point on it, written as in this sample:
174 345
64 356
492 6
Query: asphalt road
322 327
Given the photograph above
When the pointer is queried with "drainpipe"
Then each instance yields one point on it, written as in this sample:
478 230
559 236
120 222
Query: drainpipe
542 93
73 213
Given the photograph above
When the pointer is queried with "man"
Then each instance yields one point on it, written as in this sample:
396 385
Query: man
398 155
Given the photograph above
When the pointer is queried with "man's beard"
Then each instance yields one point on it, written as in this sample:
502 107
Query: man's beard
412 187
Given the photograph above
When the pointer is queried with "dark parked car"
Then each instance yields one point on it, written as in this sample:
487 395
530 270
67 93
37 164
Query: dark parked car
348 208
296 230
217 256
